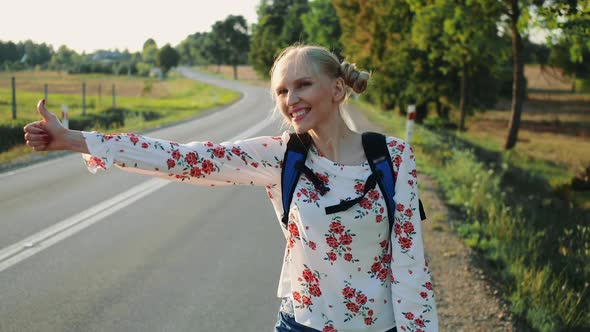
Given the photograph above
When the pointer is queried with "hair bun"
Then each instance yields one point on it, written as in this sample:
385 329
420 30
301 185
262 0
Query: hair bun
354 78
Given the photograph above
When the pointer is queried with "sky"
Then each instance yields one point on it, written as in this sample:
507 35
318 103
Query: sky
86 26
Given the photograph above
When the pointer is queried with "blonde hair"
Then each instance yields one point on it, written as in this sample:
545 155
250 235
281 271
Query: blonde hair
324 62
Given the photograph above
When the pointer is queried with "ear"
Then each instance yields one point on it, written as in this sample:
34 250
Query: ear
338 90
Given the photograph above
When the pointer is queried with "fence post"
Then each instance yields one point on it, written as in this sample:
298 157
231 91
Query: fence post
45 92
13 98
83 98
99 93
114 98
64 116
410 122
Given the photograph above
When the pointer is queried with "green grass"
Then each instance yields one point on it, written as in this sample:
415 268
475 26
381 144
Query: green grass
537 238
184 99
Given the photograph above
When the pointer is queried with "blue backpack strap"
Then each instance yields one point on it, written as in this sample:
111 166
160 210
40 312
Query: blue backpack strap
380 161
377 153
295 155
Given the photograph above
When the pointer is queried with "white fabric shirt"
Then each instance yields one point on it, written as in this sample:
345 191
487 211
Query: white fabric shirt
343 271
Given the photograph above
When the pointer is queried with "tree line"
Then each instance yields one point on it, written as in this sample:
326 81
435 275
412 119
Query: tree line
440 55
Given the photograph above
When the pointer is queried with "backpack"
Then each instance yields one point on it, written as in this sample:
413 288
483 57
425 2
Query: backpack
379 160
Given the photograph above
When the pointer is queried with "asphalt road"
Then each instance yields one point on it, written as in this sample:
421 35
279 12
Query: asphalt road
168 257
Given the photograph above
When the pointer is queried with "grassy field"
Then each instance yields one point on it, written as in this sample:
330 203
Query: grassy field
245 73
173 99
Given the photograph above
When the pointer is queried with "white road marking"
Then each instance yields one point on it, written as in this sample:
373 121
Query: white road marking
44 239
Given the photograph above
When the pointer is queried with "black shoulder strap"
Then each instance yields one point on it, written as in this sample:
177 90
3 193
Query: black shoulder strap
297 149
379 159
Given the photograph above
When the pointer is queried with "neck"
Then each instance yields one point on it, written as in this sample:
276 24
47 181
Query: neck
337 142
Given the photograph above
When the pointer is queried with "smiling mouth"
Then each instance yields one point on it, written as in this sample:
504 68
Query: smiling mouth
299 114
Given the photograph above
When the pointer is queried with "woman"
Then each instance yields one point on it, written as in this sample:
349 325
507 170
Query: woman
341 271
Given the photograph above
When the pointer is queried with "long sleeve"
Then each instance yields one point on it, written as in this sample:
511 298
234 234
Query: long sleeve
412 292
255 161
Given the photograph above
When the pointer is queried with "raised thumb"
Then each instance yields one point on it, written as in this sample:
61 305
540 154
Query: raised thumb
42 110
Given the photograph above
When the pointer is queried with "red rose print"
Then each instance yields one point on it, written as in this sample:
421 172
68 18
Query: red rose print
170 163
359 187
313 196
348 292
414 173
411 182
304 191
314 290
176 154
348 256
376 267
405 242
419 322
144 145
332 256
428 285
397 161
392 143
379 218
352 307
424 295
397 229
336 227
236 151
219 152
191 158
409 213
346 239
254 164
401 148
134 139
408 227
399 207
329 329
368 320
332 242
374 195
306 300
297 296
312 245
322 177
370 312
195 172
208 167
383 244
382 274
308 275
361 299
365 203
386 258
409 315
294 230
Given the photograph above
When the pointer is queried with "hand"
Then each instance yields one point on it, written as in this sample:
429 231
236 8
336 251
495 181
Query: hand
47 134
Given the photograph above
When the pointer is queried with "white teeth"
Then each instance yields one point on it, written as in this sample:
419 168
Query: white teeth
299 113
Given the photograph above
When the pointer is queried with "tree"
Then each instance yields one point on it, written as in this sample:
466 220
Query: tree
192 49
279 25
463 35
230 39
149 51
166 58
322 27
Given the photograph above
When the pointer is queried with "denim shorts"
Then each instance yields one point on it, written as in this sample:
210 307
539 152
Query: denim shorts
286 323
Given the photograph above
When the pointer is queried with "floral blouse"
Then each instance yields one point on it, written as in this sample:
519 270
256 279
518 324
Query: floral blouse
341 272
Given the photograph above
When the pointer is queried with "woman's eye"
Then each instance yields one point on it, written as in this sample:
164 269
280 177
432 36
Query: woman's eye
281 92
302 84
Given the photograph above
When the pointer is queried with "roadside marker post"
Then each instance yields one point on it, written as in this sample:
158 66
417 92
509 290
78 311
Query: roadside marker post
64 116
410 123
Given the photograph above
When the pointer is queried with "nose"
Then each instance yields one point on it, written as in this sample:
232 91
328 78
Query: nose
292 98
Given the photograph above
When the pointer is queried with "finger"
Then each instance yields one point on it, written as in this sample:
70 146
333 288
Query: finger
37 137
37 146
34 128
43 111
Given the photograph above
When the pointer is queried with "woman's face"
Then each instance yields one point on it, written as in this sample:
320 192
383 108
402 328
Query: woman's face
304 96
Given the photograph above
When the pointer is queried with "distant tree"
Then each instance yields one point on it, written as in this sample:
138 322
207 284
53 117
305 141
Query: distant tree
8 52
192 49
279 25
149 51
63 59
230 38
166 58
321 25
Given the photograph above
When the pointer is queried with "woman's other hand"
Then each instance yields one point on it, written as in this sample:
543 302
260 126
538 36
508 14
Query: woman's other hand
47 134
